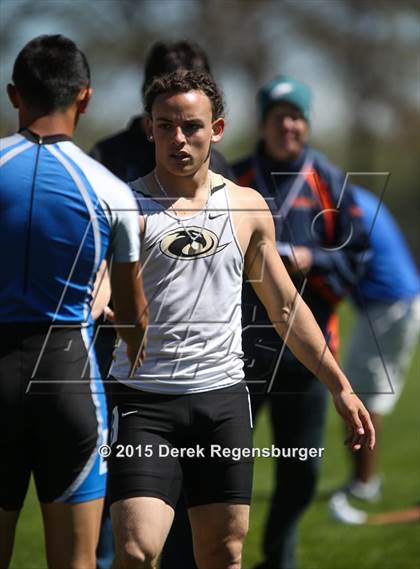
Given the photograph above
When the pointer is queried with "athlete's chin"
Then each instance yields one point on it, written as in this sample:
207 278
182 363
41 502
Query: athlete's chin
181 168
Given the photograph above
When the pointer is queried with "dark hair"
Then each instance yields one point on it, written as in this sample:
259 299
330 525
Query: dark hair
183 82
49 73
166 57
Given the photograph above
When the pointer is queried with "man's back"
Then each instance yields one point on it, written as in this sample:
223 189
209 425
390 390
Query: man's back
61 214
60 218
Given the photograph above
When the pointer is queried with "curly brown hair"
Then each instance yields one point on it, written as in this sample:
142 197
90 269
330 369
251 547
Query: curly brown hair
183 81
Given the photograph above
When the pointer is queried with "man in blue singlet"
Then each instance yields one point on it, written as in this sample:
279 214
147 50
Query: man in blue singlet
59 221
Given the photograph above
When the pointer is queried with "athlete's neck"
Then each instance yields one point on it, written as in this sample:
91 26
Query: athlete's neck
184 186
47 125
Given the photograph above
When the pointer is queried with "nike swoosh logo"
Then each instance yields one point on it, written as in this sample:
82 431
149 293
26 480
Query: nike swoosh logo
127 413
214 215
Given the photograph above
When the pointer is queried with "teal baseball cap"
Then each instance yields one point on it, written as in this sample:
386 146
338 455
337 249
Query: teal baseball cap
284 88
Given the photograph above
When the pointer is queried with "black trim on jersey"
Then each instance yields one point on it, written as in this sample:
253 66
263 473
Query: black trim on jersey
147 194
39 139
29 227
217 188
143 193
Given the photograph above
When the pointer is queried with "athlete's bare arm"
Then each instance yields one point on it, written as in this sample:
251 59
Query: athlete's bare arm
130 308
101 291
288 312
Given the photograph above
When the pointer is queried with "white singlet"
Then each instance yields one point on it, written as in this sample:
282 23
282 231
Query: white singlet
192 274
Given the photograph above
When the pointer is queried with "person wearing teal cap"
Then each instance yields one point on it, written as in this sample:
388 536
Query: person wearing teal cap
324 253
284 89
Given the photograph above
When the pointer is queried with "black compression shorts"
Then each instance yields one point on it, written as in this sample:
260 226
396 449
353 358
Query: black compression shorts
52 415
162 443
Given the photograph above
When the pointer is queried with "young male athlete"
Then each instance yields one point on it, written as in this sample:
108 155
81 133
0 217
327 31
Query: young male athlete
183 418
61 215
130 154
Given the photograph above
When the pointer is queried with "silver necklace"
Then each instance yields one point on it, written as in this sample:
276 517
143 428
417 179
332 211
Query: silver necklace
195 246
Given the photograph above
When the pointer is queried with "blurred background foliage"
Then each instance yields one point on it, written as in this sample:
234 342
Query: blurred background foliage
361 58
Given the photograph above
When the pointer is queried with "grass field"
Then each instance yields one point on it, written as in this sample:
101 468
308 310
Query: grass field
324 544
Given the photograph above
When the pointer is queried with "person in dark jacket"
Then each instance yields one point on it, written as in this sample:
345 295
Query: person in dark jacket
130 154
322 239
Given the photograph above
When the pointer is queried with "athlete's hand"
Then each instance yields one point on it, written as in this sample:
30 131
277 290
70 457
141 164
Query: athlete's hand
136 353
109 314
360 430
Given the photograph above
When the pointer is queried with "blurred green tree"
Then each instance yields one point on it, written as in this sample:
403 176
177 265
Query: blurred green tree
369 49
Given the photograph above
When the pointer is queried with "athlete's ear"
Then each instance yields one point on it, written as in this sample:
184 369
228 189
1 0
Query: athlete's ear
13 95
148 127
218 128
83 99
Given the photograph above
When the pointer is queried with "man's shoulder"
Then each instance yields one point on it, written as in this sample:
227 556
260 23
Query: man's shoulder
100 178
250 212
7 142
244 197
